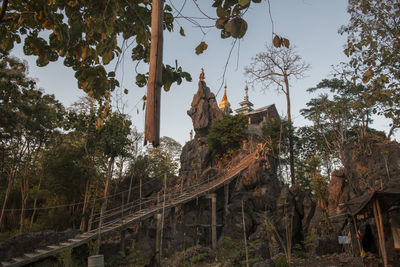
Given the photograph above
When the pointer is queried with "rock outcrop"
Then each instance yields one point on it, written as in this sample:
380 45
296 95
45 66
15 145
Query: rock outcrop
196 157
204 110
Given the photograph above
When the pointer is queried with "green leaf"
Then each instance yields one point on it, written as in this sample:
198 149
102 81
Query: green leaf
237 27
167 86
107 57
225 34
221 22
244 2
182 32
201 47
221 12
141 80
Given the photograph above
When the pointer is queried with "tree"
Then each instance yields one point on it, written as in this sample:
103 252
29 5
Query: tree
29 119
276 133
164 159
276 66
114 140
373 46
314 163
342 120
86 35
225 135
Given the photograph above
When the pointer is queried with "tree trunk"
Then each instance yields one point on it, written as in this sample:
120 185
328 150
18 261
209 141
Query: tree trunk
104 204
8 191
152 123
129 190
24 196
85 200
34 205
289 115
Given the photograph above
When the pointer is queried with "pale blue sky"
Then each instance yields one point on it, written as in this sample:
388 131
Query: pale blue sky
312 25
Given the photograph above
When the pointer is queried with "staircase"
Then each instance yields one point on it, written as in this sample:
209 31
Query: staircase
124 222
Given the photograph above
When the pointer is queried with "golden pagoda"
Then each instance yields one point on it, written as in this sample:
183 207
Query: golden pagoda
224 105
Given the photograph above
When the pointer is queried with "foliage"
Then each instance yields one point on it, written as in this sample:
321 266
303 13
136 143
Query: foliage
29 120
93 246
135 253
65 258
51 157
339 121
281 261
228 242
114 135
87 35
278 132
373 47
225 135
164 159
271 231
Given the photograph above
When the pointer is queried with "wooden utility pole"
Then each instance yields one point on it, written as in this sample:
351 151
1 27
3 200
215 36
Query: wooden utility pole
226 194
152 124
163 214
244 236
158 239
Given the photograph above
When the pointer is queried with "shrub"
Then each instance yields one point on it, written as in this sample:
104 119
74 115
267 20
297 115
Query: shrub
225 135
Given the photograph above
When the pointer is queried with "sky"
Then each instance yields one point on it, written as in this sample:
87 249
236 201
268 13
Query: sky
311 25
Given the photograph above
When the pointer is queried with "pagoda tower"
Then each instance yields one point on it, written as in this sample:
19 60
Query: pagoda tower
245 105
224 105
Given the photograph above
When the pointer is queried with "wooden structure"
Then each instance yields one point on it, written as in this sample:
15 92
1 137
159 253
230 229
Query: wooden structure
119 222
152 123
378 205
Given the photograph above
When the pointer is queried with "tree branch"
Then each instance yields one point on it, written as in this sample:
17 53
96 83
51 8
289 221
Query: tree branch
3 10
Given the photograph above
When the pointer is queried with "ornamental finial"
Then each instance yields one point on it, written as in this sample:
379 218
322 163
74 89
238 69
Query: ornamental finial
202 75
246 94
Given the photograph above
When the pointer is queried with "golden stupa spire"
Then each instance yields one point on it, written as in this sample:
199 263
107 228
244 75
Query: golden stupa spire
224 103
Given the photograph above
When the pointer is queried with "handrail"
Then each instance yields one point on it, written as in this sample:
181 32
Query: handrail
124 215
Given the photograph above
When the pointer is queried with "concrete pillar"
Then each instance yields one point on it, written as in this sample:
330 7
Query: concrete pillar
158 238
213 198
